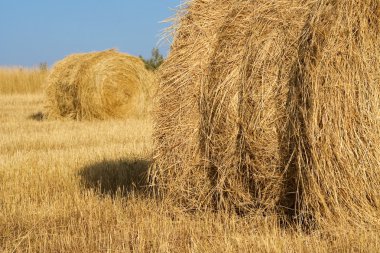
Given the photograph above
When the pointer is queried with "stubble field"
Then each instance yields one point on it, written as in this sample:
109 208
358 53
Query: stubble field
70 186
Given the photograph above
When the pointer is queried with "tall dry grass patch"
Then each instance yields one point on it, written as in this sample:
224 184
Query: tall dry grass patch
272 106
17 80
99 85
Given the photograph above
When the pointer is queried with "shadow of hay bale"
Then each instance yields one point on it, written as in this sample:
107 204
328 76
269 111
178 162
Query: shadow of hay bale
114 177
38 116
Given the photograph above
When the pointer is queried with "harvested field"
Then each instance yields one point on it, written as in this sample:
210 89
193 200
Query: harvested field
68 186
263 136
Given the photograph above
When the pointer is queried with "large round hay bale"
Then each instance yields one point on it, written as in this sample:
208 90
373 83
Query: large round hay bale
221 107
334 113
99 85
272 106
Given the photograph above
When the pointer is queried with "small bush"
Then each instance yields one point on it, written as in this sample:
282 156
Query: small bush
155 61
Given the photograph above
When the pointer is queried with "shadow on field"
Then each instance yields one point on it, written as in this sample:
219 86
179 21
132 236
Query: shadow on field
114 177
39 116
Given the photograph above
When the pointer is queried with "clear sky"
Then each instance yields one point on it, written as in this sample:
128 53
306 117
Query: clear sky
36 31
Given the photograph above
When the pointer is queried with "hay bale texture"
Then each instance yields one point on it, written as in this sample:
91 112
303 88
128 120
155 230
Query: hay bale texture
334 114
221 106
99 85
179 169
272 106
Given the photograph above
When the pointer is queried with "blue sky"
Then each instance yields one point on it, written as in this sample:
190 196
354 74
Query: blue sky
35 31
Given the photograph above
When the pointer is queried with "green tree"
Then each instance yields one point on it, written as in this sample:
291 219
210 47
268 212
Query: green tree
43 67
155 60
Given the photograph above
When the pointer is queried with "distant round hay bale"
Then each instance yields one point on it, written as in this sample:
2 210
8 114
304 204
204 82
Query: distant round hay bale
99 85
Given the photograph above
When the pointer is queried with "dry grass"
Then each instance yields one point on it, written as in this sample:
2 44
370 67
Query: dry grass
99 85
20 80
78 187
